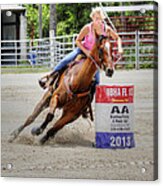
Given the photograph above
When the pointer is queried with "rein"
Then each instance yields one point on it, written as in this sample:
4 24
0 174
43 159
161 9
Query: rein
93 60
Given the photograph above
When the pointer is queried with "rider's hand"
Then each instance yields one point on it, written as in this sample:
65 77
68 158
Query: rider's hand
120 51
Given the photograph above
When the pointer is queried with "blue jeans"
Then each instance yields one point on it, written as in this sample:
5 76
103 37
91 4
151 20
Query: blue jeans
70 57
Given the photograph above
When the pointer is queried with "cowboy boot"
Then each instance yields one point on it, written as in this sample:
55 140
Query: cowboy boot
48 80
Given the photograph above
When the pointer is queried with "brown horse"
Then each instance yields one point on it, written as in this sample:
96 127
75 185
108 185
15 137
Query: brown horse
72 93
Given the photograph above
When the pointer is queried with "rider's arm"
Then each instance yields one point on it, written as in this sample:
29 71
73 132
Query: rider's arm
84 31
115 36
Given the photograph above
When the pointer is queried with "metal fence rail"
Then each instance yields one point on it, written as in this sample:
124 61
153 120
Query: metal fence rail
139 48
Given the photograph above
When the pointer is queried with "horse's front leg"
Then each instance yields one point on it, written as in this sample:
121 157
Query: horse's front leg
70 113
49 117
65 119
42 104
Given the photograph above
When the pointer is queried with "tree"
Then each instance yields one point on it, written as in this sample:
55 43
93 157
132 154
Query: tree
67 19
33 22
72 17
53 20
40 20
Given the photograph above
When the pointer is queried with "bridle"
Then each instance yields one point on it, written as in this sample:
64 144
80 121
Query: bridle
101 57
96 64
100 52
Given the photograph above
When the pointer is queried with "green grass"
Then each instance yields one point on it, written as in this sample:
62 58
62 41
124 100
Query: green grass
41 69
24 69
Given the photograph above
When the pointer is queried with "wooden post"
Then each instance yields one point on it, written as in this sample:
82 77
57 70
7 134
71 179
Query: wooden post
52 32
137 66
40 20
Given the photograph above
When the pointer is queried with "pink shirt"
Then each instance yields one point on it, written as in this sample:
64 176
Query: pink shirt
90 39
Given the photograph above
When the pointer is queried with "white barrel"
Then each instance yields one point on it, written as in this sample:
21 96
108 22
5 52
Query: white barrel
114 116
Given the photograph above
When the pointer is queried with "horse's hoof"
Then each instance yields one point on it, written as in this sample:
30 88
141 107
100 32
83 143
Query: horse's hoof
36 131
15 134
11 139
93 144
43 140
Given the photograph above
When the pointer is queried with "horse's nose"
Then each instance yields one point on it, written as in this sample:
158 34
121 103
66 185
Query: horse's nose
109 72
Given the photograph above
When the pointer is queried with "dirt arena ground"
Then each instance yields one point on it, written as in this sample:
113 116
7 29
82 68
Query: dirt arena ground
70 154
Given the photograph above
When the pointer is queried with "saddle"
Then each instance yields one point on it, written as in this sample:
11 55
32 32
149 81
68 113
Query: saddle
52 81
78 59
48 80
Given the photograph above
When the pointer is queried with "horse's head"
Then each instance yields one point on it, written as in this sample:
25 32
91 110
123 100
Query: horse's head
105 57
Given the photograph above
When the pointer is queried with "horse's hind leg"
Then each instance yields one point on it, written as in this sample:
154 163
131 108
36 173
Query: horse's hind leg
43 103
49 117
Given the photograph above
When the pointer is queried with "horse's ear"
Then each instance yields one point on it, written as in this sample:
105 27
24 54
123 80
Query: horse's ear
101 38
101 41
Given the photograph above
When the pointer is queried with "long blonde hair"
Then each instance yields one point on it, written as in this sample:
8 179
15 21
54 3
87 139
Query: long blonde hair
97 10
